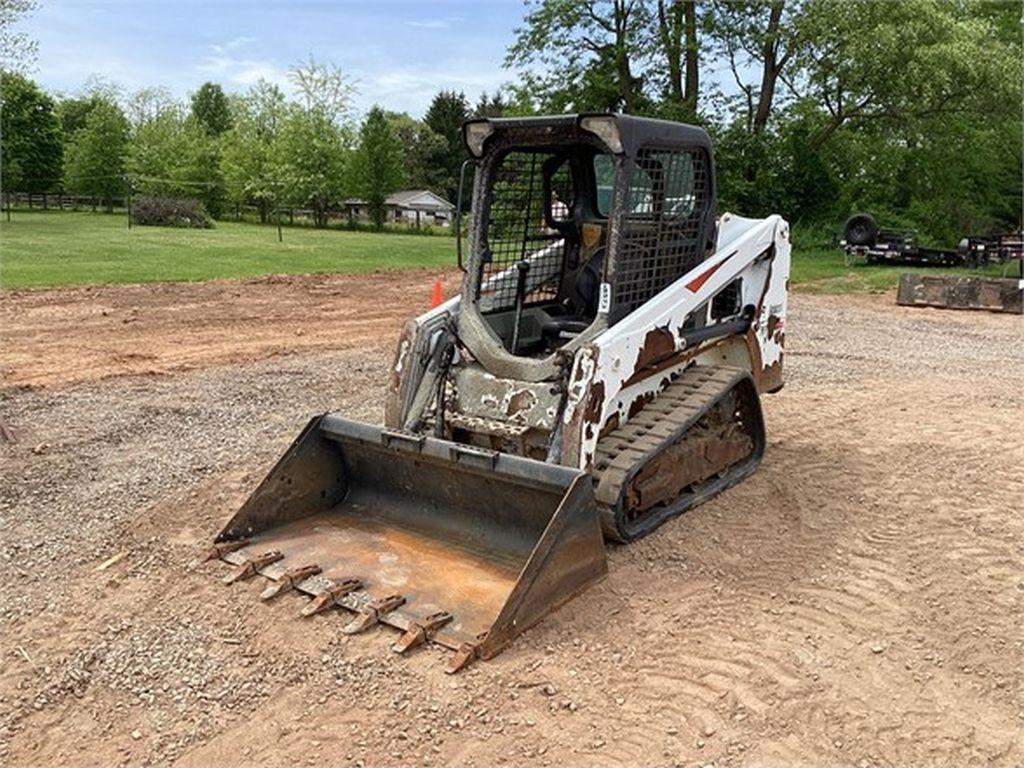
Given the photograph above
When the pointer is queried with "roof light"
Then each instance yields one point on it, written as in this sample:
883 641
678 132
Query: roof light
475 134
606 128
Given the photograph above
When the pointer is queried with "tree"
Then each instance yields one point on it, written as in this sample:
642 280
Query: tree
377 165
146 104
74 112
211 109
491 106
677 36
17 50
247 155
589 50
172 155
760 38
95 161
895 61
324 88
311 155
424 152
445 116
30 137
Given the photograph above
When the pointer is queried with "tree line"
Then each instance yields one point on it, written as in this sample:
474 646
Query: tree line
259 148
910 109
907 108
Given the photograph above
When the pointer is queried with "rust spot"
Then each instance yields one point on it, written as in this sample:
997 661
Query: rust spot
659 343
773 323
638 404
668 362
595 403
523 400
609 426
771 376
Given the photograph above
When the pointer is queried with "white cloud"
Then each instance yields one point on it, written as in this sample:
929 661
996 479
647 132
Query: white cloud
411 89
429 24
238 42
236 71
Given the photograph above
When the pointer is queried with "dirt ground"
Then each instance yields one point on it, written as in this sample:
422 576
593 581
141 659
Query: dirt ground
859 601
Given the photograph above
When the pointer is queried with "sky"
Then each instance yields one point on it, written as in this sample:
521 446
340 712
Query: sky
398 53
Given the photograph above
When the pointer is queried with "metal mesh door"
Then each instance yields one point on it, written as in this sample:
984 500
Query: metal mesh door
660 234
516 229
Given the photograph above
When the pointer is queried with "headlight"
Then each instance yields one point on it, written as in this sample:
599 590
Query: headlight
476 134
606 128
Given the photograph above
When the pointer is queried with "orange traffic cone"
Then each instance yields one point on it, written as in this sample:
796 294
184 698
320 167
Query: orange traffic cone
437 297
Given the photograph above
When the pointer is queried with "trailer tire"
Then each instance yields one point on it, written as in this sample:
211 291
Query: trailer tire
860 229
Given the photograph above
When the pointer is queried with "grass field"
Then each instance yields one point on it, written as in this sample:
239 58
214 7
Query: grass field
56 248
66 248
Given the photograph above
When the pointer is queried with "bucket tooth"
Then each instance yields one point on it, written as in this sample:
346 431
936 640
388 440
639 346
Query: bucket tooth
371 613
218 550
421 630
465 655
252 565
288 580
329 597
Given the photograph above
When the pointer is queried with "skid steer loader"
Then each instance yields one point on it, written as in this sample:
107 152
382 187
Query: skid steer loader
599 373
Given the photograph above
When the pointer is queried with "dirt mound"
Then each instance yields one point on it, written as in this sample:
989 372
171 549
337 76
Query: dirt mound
69 335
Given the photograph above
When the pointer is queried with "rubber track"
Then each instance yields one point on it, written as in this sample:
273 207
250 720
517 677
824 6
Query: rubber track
661 423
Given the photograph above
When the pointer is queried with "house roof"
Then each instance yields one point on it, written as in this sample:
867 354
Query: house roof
421 199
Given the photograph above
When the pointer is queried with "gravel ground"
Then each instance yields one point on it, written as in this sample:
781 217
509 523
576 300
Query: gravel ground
140 662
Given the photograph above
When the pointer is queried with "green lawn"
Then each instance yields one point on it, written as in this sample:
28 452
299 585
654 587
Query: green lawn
822 270
65 248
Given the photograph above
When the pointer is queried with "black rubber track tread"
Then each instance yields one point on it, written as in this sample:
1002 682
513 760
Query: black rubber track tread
624 451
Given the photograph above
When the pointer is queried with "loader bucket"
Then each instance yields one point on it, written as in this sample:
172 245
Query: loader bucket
961 292
448 543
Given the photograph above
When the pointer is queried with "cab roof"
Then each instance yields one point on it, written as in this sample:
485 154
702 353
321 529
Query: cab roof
631 132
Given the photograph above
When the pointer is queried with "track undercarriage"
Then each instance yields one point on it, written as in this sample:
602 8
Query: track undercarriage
701 435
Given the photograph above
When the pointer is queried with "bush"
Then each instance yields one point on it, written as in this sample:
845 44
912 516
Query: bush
170 212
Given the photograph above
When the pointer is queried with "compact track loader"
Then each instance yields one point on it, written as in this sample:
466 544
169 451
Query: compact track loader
599 374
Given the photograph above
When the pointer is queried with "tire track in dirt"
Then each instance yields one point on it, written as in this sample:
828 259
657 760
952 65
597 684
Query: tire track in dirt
885 516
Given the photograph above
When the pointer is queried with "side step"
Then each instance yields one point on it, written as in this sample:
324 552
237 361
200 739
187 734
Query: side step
701 435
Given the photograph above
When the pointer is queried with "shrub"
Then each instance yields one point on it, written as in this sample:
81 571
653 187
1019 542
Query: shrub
170 212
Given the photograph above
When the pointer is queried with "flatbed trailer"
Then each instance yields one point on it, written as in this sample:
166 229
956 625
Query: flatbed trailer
864 241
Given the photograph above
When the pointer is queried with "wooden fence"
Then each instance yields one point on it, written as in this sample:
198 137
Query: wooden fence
58 201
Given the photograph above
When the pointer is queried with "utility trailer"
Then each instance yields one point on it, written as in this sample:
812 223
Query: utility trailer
863 240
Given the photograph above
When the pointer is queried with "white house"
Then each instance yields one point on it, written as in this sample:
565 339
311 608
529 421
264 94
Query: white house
411 206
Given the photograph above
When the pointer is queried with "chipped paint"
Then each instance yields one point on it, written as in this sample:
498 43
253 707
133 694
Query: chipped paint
659 343
755 250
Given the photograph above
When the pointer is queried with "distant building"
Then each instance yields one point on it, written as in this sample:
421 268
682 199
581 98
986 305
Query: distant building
414 207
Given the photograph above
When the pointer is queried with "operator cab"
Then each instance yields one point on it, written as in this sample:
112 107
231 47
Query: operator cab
577 221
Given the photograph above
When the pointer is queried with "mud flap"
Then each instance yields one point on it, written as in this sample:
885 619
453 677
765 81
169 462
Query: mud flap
443 541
